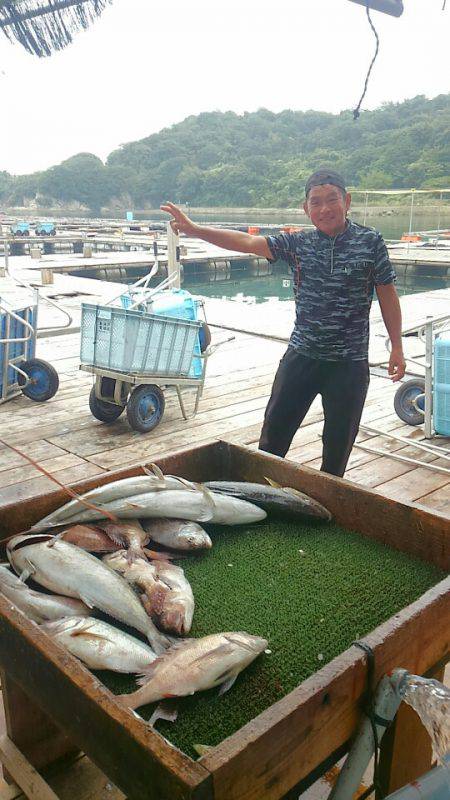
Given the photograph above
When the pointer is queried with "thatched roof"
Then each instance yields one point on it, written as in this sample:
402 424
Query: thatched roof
43 26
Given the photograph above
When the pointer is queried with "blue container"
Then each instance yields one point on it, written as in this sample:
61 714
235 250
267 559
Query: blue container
441 388
135 342
176 303
129 216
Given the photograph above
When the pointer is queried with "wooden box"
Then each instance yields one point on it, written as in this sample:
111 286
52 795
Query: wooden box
53 704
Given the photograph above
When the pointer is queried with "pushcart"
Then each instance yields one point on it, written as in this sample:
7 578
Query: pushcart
135 355
427 400
20 370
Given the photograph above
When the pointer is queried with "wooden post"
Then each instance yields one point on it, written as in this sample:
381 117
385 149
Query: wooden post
47 276
173 257
31 730
406 751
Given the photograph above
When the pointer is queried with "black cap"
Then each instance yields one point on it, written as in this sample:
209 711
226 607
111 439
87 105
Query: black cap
323 176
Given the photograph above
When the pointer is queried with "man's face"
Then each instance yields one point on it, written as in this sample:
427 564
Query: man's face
326 206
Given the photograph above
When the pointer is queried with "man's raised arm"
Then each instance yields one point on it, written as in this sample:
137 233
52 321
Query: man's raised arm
229 240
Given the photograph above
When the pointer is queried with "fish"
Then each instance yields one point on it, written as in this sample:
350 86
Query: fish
192 505
177 534
128 534
68 570
178 605
116 490
199 505
90 538
38 606
277 500
167 597
100 645
194 665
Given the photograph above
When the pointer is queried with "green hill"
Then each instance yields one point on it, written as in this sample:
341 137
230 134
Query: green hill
254 159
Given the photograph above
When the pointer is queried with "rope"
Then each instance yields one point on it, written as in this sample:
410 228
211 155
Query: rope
367 706
356 111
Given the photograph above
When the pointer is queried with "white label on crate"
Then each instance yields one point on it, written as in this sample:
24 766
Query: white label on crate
286 283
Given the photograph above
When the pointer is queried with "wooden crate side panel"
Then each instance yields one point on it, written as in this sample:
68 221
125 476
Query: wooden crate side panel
281 746
413 530
137 759
196 463
24 718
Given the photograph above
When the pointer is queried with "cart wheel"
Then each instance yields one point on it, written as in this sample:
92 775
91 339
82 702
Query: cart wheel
204 336
100 409
43 383
145 408
405 397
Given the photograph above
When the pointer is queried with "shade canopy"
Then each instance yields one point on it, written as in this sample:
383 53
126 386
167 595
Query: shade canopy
43 26
393 7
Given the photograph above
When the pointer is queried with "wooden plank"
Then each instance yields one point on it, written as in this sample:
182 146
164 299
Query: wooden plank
406 751
23 772
38 450
29 472
415 484
439 499
79 779
24 719
36 486
137 759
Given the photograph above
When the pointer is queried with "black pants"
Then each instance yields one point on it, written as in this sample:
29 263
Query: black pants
343 386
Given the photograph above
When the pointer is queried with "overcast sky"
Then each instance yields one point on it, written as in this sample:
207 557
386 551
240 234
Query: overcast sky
145 65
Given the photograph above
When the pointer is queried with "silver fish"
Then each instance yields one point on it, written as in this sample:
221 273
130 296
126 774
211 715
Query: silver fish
167 597
178 534
100 645
66 569
194 505
116 490
199 505
38 606
195 665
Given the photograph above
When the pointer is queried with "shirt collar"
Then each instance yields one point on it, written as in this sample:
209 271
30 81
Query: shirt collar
341 237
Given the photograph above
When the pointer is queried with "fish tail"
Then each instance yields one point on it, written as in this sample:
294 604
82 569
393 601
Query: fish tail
135 553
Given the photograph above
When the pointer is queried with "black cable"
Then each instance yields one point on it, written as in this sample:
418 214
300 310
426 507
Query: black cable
356 111
367 706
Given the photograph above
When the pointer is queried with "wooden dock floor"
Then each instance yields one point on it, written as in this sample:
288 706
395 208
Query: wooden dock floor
63 436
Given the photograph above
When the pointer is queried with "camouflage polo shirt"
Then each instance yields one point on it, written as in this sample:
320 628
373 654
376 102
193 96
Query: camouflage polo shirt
334 279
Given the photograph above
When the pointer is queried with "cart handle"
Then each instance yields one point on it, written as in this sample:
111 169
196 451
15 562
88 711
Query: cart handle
26 285
22 321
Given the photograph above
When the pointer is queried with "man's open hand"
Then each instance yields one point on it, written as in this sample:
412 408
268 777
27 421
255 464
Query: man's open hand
397 365
180 222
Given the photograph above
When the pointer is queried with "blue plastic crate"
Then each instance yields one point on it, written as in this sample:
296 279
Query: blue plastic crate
132 341
176 303
441 388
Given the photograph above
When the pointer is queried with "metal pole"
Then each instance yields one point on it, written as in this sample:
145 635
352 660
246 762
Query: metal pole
386 702
439 212
411 212
173 257
4 270
365 208
428 426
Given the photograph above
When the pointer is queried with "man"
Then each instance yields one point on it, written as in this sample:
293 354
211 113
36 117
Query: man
336 267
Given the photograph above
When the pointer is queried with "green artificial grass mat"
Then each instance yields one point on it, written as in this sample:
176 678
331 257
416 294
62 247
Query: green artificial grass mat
309 589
